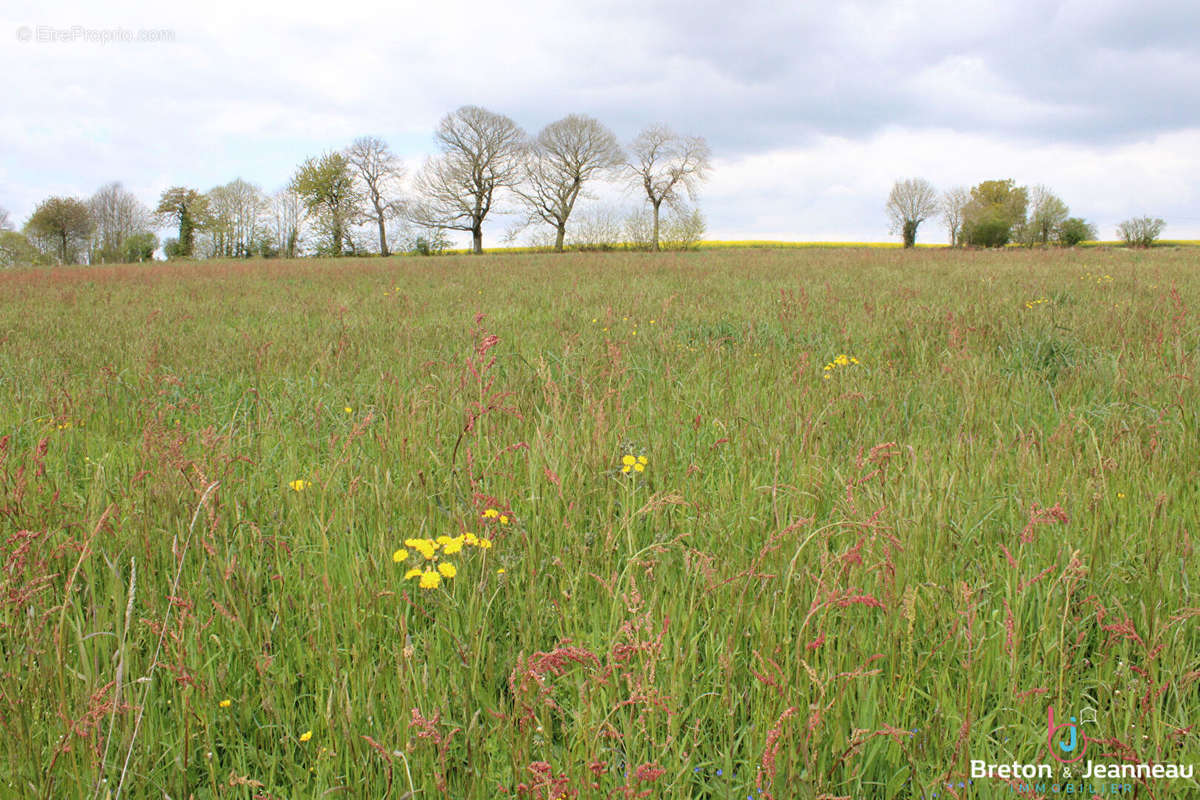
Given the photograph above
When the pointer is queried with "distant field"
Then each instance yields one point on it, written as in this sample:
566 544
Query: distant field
881 509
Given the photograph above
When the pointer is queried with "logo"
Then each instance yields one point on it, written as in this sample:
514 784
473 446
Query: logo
1070 750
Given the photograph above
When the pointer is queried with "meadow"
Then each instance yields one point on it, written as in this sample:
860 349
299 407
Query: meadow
810 523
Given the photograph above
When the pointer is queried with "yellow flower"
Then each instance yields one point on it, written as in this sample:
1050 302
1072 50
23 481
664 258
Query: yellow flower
412 573
500 571
626 468
640 467
299 485
400 556
444 540
643 461
454 545
503 519
348 410
430 579
629 460
226 703
484 544
491 513
304 737
470 538
448 570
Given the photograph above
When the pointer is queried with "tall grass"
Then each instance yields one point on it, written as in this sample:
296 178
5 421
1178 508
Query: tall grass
843 582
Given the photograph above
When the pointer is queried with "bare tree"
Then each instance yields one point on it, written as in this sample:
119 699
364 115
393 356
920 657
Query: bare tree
953 206
666 166
482 154
234 219
910 203
5 223
1047 213
285 218
379 171
117 215
566 154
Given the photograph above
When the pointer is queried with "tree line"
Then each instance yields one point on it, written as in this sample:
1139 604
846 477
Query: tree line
997 212
352 201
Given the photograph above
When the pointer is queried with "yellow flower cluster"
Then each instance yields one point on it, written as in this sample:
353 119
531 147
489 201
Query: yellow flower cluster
431 570
842 360
1032 303
1100 279
631 463
492 513
299 485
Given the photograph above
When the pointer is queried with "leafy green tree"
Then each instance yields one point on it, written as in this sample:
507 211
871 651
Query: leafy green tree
327 188
62 226
995 210
139 247
17 251
1074 230
186 208
1140 231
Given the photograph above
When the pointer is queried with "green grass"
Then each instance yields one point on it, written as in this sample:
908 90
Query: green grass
844 586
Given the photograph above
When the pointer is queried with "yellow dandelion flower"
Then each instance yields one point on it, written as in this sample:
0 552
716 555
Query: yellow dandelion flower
444 540
348 410
639 467
626 468
299 485
454 545
471 538
430 579
491 513
448 570
500 571
643 460
854 360
226 703
411 542
412 573
503 519
304 737
484 544
400 556
628 460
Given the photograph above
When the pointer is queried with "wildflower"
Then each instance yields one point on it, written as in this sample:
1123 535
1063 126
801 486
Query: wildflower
304 737
628 461
348 410
300 485
503 519
400 556
412 573
484 544
448 570
471 539
500 571
454 545
491 513
226 703
430 579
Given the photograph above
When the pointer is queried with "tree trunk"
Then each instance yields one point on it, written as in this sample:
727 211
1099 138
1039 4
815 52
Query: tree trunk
477 240
655 234
910 233
559 237
383 248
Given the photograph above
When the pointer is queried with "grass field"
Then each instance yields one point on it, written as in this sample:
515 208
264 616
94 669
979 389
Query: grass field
884 509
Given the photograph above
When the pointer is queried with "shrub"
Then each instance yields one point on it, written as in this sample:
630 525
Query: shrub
1074 230
1140 231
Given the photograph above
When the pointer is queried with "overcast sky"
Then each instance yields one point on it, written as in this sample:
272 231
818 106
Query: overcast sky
811 112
